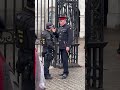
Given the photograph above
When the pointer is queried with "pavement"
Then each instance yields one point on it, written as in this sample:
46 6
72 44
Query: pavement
76 78
112 61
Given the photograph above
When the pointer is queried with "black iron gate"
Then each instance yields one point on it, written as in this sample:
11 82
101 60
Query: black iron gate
8 10
70 9
94 43
49 11
25 42
7 39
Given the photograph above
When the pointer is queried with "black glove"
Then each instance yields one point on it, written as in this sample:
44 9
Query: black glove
50 56
43 54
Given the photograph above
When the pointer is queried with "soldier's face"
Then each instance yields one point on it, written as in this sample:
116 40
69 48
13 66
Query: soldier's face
62 22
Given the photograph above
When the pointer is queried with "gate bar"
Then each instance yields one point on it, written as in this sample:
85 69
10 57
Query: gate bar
14 27
5 19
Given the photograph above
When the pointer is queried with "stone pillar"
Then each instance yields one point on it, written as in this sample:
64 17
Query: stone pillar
113 18
82 18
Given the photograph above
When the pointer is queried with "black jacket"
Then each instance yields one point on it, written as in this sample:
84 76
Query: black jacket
65 36
49 39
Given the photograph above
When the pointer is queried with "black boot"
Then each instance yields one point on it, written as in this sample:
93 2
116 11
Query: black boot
64 76
48 76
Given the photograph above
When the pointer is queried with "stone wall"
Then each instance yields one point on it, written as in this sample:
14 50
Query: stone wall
113 17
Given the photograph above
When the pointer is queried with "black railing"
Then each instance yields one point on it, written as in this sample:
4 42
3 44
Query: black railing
94 64
94 43
70 9
8 36
73 57
50 13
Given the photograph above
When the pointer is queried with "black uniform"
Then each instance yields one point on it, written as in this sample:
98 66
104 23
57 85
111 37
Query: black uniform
65 38
48 48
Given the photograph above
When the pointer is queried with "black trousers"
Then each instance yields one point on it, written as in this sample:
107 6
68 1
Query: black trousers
46 66
47 61
64 57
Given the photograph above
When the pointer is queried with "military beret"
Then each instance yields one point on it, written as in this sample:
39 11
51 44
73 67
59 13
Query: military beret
62 17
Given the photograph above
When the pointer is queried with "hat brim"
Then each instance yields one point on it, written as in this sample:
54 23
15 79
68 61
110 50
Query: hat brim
62 18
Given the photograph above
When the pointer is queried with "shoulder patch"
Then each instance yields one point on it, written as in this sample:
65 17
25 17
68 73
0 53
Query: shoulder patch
43 33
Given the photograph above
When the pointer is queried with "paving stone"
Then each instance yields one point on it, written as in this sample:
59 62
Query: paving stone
76 78
112 61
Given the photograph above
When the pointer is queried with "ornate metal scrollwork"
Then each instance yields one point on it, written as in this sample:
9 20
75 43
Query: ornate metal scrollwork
7 37
96 20
94 43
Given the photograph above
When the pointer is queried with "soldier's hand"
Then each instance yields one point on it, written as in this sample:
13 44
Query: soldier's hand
67 49
54 29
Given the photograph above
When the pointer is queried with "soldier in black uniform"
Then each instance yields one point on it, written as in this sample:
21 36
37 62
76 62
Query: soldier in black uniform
48 48
65 37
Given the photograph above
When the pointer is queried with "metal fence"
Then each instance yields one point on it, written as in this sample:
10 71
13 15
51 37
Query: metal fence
71 10
94 43
49 11
7 40
8 10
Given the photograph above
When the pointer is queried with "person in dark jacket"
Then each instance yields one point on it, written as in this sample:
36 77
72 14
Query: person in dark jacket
48 48
65 38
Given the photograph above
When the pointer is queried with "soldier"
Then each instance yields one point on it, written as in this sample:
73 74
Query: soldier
48 47
64 35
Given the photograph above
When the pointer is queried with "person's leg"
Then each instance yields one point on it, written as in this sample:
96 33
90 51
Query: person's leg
61 59
65 62
46 68
46 64
61 50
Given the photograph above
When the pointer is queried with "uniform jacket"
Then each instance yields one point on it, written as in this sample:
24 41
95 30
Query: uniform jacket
49 39
65 36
